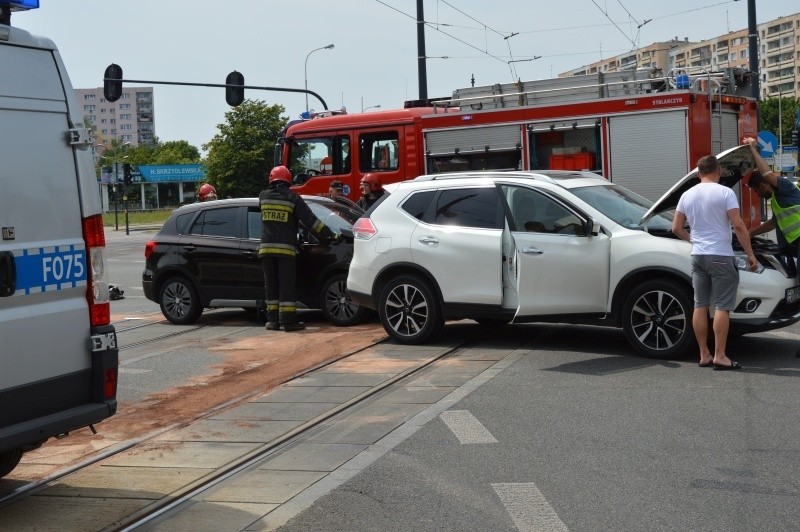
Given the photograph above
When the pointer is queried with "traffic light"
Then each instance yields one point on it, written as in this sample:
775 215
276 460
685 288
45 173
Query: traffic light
126 173
234 95
112 82
795 138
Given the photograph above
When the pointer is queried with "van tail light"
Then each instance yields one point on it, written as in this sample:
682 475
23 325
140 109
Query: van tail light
149 248
97 279
364 229
110 383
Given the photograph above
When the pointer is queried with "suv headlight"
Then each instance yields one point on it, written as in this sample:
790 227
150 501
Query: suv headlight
741 263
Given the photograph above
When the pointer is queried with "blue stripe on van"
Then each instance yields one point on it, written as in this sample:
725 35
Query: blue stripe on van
47 269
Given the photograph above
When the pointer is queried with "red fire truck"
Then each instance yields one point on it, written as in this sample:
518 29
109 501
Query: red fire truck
636 128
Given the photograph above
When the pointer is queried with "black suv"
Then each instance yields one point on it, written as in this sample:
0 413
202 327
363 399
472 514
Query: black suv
206 256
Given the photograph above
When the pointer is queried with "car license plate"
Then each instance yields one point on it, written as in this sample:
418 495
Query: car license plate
792 294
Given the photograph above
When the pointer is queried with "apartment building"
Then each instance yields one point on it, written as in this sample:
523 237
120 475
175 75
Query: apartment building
779 56
129 119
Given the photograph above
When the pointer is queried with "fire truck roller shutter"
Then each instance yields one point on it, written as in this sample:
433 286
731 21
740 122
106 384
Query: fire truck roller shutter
473 139
649 152
729 137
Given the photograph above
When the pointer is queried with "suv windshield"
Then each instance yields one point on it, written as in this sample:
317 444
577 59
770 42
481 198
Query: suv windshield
623 206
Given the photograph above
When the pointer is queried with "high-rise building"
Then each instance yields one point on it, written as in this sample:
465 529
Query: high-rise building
779 56
128 120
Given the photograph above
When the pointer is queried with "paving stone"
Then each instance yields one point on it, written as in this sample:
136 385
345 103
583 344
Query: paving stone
230 430
264 486
312 394
313 457
205 516
182 454
124 482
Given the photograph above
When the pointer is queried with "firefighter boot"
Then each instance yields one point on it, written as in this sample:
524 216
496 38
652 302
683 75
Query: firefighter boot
296 326
272 321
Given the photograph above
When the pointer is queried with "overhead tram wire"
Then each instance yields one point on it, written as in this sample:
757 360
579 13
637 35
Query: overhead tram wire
433 26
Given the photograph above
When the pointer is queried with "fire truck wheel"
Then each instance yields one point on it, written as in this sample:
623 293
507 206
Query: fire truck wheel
657 319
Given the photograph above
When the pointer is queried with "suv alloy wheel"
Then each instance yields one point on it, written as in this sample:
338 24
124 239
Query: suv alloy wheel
657 319
336 304
179 301
409 310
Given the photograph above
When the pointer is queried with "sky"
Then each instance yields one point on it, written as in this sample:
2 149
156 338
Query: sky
374 58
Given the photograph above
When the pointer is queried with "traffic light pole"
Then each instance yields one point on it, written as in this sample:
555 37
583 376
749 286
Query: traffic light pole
112 81
125 198
116 197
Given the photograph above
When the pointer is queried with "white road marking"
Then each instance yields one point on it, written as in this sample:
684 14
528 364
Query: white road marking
466 427
528 508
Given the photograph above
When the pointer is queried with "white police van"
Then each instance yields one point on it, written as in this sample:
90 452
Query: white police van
58 350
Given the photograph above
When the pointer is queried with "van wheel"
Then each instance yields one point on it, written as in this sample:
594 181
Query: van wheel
409 311
657 319
179 301
9 460
337 306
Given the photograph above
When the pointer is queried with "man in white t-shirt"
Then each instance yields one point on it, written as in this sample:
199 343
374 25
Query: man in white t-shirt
711 209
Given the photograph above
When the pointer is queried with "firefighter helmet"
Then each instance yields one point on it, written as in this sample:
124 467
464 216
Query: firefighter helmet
280 173
373 182
207 192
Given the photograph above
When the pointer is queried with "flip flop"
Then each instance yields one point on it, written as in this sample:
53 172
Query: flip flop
721 367
705 364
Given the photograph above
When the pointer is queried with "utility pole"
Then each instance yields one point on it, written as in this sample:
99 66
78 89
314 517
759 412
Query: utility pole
422 72
752 51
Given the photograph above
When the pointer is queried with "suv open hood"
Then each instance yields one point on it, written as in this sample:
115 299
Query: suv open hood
734 163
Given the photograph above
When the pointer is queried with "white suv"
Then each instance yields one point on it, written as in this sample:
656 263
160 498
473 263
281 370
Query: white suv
548 246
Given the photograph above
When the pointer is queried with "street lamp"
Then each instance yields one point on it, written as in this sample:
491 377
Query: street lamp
305 68
369 106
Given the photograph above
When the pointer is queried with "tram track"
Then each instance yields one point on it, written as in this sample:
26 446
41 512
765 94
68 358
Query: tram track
188 492
180 496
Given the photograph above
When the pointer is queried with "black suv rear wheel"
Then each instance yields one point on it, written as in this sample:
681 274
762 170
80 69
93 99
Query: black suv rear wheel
657 319
337 306
179 301
409 311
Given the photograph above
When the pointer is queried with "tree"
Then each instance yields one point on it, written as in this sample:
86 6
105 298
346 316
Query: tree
240 155
769 116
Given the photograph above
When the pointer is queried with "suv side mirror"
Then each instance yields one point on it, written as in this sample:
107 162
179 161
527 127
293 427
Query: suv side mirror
593 227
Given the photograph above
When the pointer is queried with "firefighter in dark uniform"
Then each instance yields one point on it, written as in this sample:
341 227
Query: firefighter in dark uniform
281 212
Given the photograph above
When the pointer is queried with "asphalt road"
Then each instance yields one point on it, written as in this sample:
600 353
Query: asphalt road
576 433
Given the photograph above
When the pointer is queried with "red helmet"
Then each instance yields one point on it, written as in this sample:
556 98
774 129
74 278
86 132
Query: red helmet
207 192
373 182
280 173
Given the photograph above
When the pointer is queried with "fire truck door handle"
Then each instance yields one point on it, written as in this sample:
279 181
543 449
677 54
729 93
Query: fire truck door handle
428 240
8 274
532 251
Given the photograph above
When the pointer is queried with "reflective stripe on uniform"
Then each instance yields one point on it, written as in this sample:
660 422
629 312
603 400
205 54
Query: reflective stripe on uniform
788 220
288 307
274 248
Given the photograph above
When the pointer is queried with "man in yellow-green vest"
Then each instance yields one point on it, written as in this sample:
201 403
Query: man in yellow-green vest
784 199
281 213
